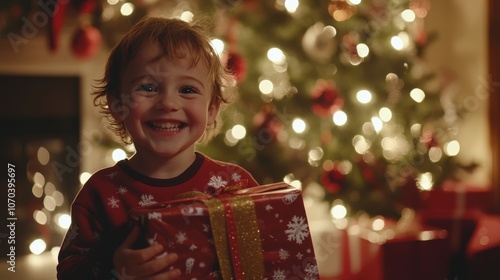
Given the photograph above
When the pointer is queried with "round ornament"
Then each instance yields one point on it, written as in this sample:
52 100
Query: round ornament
325 98
319 42
86 42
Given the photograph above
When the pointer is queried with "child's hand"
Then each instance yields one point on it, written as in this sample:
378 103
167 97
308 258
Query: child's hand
147 263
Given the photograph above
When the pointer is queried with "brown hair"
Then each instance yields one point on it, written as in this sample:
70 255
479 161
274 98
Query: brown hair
174 37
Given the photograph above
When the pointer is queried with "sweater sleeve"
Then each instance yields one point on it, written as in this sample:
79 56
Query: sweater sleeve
84 254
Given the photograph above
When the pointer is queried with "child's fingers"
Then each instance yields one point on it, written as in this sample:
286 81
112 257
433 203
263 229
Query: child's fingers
159 265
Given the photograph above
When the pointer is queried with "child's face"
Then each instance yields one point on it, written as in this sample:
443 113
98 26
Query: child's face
167 103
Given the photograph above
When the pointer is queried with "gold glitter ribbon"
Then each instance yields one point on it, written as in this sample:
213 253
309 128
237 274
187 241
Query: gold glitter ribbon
216 214
244 239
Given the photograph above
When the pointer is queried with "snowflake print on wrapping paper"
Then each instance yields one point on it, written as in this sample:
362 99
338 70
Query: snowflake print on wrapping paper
217 182
297 229
279 275
283 254
235 177
113 202
154 215
290 198
269 208
181 237
146 199
311 271
71 235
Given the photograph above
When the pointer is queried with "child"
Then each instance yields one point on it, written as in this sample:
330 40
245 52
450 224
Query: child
162 91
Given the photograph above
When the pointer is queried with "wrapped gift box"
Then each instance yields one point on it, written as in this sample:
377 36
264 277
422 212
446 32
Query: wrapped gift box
418 253
483 250
254 233
456 198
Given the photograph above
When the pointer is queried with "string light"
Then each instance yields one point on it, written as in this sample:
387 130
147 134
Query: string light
362 50
118 154
417 94
266 87
338 211
238 132
291 5
84 176
385 114
452 148
435 154
425 181
377 124
364 96
397 43
299 125
38 246
276 56
408 15
218 46
339 118
127 9
187 16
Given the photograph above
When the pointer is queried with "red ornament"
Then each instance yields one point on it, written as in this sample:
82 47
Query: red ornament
326 98
57 12
236 65
86 42
333 180
268 125
429 139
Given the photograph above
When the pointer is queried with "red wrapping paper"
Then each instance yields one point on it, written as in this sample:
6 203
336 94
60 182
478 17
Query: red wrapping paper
282 248
456 199
382 255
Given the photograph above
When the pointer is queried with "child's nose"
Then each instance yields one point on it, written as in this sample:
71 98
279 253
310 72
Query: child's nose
168 101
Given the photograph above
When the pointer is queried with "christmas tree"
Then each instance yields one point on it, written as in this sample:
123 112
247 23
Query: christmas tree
333 93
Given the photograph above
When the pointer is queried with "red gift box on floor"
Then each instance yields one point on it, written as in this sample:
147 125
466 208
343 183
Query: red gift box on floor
420 253
456 198
254 233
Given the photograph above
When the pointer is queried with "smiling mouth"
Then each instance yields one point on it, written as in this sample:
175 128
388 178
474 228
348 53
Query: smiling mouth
167 126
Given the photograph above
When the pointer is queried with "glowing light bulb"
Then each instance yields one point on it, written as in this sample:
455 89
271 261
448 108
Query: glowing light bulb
364 96
362 50
218 45
38 246
425 181
338 211
118 154
377 124
408 15
127 9
397 43
385 114
238 132
417 94
266 87
452 148
339 118
276 56
299 125
291 5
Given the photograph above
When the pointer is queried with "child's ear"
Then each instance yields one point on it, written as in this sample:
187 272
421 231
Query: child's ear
213 111
115 107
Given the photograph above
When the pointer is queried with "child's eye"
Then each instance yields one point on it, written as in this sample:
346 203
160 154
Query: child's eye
188 90
147 87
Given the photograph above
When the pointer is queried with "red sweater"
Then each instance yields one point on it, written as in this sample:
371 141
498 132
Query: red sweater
100 211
